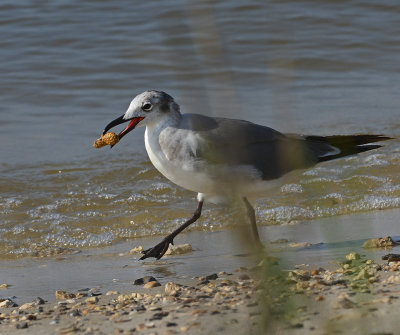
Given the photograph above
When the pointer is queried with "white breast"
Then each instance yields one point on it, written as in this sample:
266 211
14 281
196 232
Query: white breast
180 171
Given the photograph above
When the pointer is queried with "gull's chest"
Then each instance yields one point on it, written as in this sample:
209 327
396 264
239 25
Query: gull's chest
172 153
155 152
172 146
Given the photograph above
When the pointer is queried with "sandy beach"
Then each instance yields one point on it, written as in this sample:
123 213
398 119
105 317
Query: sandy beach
302 285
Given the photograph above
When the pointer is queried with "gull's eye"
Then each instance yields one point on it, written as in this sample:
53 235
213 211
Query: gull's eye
147 106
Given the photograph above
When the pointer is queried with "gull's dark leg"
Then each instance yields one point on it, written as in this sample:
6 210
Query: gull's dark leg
252 216
161 248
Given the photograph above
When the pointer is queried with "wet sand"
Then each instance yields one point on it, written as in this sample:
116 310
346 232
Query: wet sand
267 297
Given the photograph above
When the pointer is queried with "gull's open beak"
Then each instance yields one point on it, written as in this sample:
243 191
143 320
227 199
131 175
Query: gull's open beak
132 124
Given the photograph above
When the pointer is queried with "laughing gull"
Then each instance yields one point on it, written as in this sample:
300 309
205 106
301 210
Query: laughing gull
222 158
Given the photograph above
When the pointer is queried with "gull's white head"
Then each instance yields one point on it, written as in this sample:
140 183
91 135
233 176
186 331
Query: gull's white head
146 108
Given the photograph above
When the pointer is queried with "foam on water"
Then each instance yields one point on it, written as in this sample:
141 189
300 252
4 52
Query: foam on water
79 207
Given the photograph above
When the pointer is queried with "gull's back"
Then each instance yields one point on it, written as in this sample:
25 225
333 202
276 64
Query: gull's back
232 142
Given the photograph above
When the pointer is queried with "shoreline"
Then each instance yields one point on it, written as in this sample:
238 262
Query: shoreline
303 247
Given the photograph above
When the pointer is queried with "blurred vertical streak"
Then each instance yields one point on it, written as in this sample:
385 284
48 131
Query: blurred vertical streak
214 62
207 61
181 54
203 60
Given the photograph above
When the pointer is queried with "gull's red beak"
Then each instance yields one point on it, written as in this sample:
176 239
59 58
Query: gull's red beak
132 124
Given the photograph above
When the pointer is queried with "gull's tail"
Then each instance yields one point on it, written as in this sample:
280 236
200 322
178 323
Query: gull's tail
343 145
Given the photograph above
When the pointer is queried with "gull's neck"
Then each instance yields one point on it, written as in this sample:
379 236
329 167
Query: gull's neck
170 119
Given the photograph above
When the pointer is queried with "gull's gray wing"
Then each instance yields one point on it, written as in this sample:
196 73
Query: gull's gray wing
238 142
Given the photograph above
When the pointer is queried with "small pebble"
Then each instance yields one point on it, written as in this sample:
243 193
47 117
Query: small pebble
179 249
22 325
391 257
63 295
8 303
352 256
151 284
92 300
198 312
299 245
347 303
211 277
150 324
39 301
159 316
382 242
27 306
136 250
75 312
144 280
172 288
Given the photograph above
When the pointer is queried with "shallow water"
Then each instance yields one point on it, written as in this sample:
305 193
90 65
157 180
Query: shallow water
297 66
111 268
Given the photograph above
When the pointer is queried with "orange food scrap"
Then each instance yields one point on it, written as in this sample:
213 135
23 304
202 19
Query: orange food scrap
106 139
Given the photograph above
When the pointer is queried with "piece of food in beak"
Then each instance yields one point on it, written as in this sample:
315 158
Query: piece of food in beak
106 139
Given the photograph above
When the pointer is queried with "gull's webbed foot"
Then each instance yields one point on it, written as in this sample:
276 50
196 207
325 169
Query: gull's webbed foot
159 250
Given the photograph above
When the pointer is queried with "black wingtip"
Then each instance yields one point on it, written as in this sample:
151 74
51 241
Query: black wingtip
337 140
347 144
